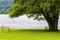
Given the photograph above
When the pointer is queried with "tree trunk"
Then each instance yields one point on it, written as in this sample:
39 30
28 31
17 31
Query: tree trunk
52 21
53 25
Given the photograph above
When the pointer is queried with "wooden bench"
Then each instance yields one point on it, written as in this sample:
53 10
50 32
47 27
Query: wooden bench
5 29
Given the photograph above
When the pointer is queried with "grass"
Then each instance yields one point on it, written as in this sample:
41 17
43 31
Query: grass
27 34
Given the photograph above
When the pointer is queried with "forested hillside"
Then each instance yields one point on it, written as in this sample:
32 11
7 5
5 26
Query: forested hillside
5 5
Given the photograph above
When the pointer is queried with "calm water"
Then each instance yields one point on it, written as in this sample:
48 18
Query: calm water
22 22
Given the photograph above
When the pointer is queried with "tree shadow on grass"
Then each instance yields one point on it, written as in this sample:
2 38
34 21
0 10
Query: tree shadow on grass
32 30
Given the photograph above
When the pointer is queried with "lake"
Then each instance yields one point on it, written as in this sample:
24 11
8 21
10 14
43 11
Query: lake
23 22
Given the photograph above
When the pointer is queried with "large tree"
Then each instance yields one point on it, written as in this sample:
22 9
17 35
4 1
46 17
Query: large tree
35 8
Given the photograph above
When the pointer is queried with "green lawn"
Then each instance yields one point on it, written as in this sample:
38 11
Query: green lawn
29 35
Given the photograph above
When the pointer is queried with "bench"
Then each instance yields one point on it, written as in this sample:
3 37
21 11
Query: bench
5 29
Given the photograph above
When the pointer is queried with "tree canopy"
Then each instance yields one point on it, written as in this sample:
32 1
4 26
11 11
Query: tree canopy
35 8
